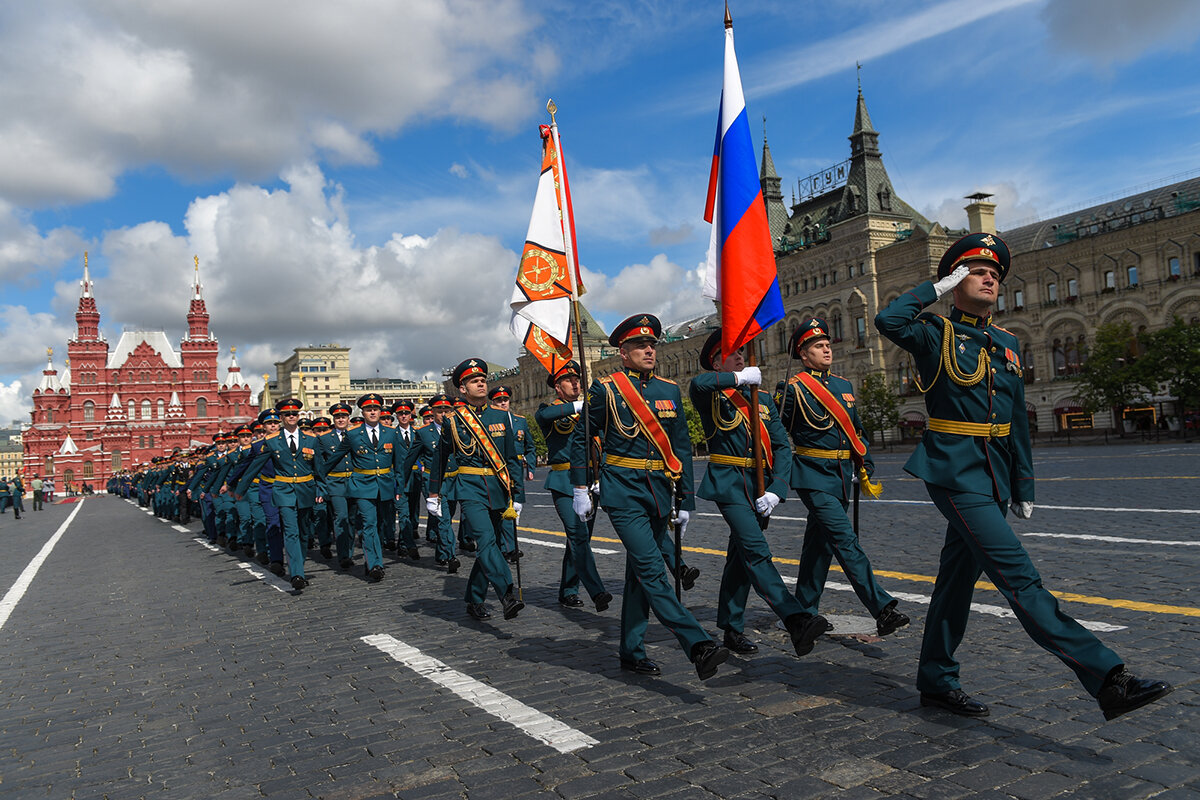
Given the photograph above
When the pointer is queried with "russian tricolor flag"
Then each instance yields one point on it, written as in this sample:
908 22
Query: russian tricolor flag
741 272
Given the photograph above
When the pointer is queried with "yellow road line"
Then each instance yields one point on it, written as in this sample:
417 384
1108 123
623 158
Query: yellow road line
1108 602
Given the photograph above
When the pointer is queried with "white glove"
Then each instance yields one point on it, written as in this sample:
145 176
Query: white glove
1022 509
517 508
578 404
953 279
434 506
581 501
748 376
682 519
766 504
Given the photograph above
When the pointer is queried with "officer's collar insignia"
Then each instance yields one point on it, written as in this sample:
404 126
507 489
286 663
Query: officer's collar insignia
962 336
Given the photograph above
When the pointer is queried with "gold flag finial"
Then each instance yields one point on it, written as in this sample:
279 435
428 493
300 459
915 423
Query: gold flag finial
196 261
49 352
728 19
553 109
233 350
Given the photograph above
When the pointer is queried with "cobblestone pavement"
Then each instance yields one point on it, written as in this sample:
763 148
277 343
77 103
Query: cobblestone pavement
142 663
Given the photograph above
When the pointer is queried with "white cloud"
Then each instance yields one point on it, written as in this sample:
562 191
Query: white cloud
661 287
1012 208
94 89
458 170
15 404
281 269
1110 31
25 254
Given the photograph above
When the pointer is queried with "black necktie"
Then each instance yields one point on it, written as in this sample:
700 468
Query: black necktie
406 438
292 444
374 438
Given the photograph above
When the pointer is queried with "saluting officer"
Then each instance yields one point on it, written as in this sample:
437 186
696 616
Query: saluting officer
976 459
831 453
722 396
375 455
296 487
647 459
557 421
489 484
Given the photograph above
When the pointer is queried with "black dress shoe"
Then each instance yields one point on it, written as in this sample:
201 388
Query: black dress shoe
375 574
467 546
602 600
298 583
276 567
478 611
570 601
414 554
346 563
890 620
441 562
326 551
642 667
263 559
222 540
956 701
389 546
688 577
738 643
512 604
804 630
452 566
1123 692
248 551
707 656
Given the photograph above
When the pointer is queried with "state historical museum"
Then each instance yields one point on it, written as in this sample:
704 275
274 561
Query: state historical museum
112 409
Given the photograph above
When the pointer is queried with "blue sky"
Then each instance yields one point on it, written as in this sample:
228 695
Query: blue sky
363 172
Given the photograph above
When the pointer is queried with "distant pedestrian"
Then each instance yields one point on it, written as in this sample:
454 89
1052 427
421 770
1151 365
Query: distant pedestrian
38 486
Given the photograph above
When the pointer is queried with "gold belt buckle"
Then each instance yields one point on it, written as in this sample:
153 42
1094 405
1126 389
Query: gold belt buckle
993 431
649 465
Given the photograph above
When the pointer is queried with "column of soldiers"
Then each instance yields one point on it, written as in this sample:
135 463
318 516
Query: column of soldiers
274 488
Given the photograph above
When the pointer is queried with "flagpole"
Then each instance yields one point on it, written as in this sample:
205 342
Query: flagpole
569 253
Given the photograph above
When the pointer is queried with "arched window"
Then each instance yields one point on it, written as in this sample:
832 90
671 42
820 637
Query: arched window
1060 357
116 461
146 409
132 410
162 408
50 415
48 466
1072 289
68 477
1072 355
89 411
201 407
1173 267
1052 292
1131 273
87 469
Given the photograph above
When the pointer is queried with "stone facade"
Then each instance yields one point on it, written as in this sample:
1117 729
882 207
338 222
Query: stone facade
114 408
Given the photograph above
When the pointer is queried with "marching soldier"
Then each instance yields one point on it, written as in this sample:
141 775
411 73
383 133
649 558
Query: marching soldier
296 487
408 505
500 398
322 525
722 397
337 484
374 453
818 410
557 421
425 450
976 459
647 461
489 484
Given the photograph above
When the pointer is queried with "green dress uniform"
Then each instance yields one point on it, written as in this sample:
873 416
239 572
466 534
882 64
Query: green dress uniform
424 450
637 493
374 463
480 494
730 483
337 484
528 452
294 490
974 458
558 421
822 475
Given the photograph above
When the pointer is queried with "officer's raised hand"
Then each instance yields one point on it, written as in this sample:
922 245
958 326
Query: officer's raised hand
953 279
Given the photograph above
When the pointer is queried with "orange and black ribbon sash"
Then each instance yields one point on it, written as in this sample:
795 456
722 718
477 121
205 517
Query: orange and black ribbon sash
648 422
742 405
858 448
497 462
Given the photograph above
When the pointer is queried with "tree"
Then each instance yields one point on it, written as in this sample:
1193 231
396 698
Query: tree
1112 378
695 427
539 441
1173 357
878 406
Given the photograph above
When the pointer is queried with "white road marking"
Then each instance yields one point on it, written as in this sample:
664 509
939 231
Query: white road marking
526 719
18 589
1095 538
269 578
600 551
181 529
209 545
982 608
